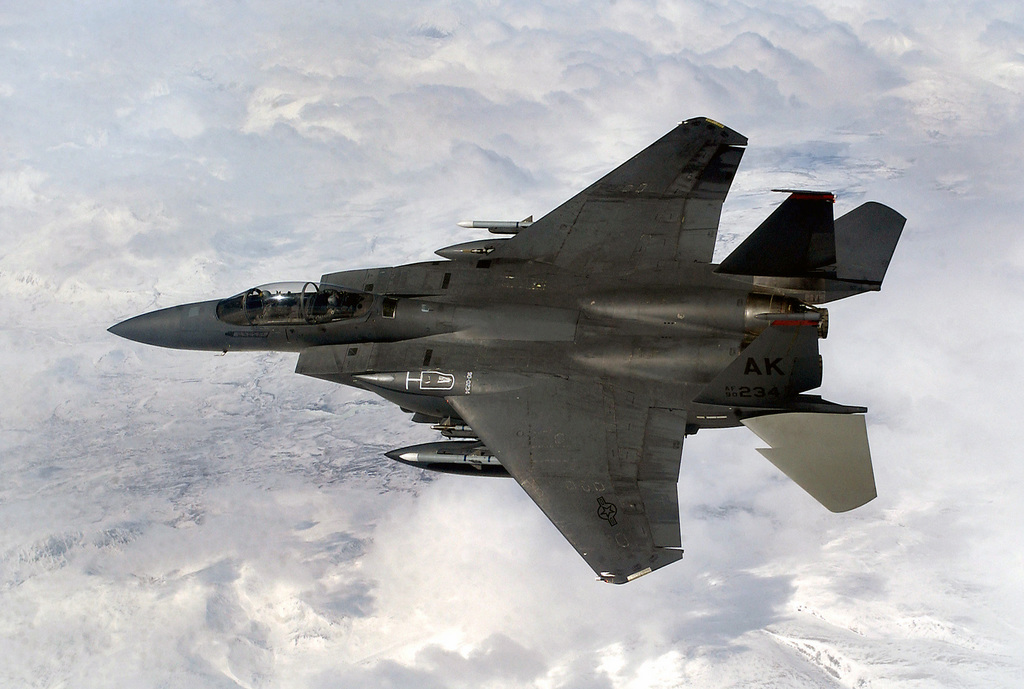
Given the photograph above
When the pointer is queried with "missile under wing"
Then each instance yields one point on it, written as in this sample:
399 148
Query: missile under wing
576 354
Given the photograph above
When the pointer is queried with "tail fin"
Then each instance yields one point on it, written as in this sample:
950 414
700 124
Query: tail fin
865 240
769 374
796 240
800 248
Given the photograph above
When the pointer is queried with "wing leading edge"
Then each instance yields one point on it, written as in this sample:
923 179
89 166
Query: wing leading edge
600 464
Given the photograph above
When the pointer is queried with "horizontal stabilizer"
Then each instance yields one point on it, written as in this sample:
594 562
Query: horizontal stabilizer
825 454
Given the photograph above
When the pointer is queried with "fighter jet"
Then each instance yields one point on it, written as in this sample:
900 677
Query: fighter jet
575 353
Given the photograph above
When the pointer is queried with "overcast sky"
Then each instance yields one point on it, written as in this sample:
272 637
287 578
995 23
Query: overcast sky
183 519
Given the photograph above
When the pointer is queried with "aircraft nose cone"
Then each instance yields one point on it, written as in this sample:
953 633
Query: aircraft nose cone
161 328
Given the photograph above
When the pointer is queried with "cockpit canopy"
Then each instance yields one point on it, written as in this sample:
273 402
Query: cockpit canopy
293 303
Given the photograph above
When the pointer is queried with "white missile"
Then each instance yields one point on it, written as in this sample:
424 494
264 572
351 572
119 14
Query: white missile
499 226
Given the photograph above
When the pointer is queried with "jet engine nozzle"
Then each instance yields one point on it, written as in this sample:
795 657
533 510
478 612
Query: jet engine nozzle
763 310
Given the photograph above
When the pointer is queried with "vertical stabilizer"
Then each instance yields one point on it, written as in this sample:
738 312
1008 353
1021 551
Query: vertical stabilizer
865 240
797 239
781 363
800 251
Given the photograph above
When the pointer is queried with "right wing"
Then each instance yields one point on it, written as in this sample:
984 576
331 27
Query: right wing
658 209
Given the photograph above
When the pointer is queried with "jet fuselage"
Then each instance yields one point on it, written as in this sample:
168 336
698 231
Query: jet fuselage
493 322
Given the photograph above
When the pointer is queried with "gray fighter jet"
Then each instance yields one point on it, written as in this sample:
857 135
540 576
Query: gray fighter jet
577 352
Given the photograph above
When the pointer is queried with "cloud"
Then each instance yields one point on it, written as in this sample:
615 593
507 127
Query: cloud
180 519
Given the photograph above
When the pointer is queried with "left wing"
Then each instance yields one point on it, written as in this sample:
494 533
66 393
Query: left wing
601 464
657 210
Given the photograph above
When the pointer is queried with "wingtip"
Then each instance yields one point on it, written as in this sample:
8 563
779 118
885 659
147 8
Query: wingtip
729 136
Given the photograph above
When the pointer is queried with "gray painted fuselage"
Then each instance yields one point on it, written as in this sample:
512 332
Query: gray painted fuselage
498 321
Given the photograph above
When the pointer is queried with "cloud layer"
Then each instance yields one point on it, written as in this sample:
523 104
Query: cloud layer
181 519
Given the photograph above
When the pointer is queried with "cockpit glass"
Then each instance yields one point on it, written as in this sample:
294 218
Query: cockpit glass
293 303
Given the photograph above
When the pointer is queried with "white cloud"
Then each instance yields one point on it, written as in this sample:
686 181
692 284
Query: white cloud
180 519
